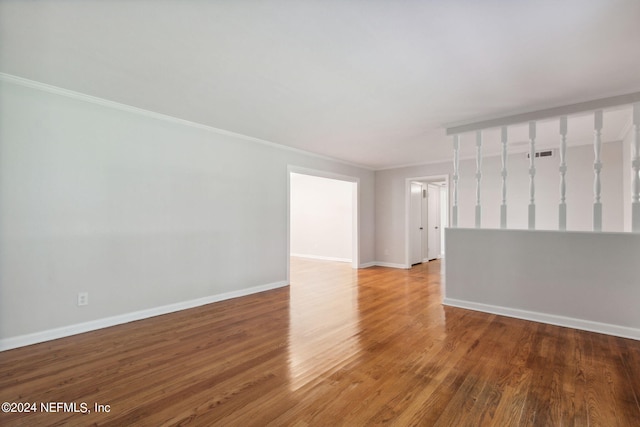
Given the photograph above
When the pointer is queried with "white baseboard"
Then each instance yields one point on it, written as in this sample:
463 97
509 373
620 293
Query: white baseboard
552 319
323 258
65 331
364 265
367 264
391 265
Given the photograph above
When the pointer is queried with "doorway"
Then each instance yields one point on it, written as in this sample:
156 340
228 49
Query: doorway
416 226
427 208
323 216
434 230
322 249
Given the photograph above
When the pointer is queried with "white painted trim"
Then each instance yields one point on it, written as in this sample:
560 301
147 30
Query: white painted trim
367 265
323 258
548 113
79 328
507 230
551 319
407 207
321 173
151 114
392 265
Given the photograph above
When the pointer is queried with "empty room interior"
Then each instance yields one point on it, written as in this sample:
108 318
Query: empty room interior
320 213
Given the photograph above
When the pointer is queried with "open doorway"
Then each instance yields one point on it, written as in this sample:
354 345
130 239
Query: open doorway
323 216
323 249
427 208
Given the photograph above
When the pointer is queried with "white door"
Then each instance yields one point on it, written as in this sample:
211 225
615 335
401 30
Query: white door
433 221
415 224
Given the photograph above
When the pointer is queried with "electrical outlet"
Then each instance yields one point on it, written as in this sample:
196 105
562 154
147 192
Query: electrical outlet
83 298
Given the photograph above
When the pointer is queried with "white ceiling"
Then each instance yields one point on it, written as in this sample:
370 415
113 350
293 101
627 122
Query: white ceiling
369 82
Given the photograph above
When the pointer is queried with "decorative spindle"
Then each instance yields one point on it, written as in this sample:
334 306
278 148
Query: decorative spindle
503 205
454 209
532 174
478 177
597 167
562 208
635 165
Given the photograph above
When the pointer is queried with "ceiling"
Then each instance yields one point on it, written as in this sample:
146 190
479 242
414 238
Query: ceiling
369 82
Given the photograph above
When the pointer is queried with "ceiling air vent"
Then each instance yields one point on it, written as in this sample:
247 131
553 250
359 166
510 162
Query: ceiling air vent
544 153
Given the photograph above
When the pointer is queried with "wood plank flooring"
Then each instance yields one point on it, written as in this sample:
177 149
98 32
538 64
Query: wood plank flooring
338 347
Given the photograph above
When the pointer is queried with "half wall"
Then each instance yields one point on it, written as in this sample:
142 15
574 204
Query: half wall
582 280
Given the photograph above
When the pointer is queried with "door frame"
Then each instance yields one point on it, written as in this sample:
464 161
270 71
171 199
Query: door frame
407 209
412 224
355 229
438 215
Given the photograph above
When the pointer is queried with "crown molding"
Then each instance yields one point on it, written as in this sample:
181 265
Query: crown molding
9 78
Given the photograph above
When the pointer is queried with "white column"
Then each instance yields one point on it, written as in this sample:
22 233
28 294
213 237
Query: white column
478 177
562 208
456 163
503 205
597 167
635 165
532 174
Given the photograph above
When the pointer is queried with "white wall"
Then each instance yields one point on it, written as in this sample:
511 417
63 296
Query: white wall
583 280
390 194
139 211
321 217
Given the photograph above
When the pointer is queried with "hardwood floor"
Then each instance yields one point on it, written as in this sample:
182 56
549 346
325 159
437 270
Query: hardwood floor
338 347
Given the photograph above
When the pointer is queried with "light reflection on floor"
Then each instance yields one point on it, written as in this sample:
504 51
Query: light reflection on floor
324 319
